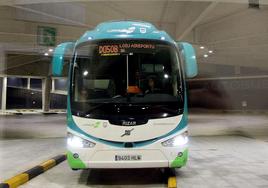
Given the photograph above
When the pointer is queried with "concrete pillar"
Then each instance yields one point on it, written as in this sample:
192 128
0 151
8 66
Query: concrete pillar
53 85
4 82
46 87
28 83
2 60
4 94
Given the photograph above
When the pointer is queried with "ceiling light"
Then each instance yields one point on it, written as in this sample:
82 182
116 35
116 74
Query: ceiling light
46 54
210 51
85 73
50 50
202 47
205 55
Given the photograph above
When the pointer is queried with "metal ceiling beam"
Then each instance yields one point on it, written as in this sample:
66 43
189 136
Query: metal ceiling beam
25 2
52 16
204 13
163 13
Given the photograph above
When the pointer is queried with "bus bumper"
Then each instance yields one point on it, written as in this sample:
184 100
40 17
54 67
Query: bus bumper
127 158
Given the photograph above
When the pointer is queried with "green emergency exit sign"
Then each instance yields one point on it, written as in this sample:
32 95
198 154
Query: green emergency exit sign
46 36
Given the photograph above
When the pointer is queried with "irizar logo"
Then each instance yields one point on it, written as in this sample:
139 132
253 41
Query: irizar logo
143 30
128 123
127 30
127 132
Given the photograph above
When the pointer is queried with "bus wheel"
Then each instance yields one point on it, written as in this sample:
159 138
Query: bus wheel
75 169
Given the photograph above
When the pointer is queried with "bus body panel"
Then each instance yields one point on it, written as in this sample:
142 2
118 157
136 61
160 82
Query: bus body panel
102 129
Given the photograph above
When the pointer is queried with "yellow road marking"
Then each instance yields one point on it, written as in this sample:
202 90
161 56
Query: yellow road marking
48 164
172 182
17 180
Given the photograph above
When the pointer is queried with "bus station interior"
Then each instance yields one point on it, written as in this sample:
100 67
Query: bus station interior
228 106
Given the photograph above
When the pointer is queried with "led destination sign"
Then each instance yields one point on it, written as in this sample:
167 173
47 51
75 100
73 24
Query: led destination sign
116 49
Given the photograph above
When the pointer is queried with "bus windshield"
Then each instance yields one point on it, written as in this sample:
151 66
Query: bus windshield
131 78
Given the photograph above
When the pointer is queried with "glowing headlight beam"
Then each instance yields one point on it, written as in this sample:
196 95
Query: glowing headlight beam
77 142
179 140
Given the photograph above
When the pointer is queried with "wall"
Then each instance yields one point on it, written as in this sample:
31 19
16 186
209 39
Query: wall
239 38
229 94
19 31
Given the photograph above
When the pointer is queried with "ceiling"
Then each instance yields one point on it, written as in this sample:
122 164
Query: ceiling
237 35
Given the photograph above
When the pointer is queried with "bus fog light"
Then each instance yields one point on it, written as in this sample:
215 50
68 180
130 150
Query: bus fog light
76 156
77 142
179 140
180 154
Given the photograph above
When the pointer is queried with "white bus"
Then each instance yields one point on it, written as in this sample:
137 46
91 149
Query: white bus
126 104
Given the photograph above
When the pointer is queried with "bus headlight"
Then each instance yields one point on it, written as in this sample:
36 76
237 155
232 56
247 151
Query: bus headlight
179 140
77 142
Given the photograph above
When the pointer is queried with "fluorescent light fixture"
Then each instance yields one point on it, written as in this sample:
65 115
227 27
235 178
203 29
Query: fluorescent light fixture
202 47
205 55
50 50
210 51
46 54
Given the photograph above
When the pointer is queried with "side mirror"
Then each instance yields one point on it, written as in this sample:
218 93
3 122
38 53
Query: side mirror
189 55
58 57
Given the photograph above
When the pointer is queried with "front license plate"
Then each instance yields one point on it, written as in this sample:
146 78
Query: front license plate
128 157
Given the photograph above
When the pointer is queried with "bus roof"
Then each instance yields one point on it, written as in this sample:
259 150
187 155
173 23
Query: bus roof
125 30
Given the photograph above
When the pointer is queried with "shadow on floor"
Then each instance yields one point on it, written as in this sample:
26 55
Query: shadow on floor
125 176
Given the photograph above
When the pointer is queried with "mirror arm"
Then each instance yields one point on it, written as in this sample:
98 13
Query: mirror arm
58 57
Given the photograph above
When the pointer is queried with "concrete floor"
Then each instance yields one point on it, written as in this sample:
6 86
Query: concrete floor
235 157
32 126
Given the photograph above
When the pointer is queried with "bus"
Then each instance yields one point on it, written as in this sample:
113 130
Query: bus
127 100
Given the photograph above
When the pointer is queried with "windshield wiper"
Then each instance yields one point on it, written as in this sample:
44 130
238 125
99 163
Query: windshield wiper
115 99
117 96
